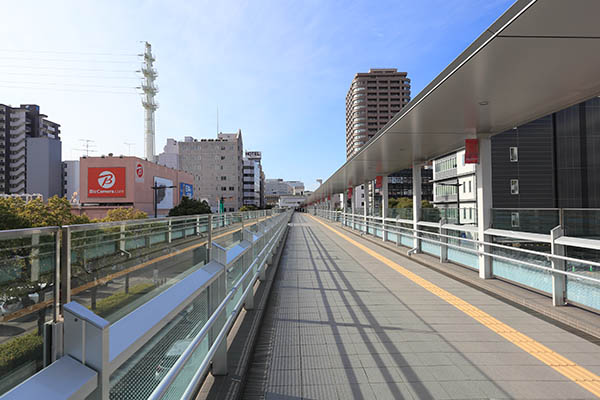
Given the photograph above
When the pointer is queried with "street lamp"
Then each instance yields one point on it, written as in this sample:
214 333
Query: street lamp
155 189
457 185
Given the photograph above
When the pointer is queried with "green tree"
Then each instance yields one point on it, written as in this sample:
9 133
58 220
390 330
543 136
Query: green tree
11 214
250 207
406 202
189 206
123 214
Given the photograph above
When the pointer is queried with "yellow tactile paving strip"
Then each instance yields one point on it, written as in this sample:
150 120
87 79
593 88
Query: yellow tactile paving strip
563 365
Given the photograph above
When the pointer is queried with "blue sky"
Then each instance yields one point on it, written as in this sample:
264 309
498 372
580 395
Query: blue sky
278 70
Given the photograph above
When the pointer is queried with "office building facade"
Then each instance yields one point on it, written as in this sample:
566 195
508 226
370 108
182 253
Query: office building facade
217 166
30 152
552 162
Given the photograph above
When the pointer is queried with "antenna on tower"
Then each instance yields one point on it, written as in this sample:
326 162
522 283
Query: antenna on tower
87 146
217 120
128 147
149 90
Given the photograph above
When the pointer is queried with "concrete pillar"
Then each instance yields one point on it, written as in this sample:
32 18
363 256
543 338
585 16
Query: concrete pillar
344 205
384 205
483 177
559 284
416 189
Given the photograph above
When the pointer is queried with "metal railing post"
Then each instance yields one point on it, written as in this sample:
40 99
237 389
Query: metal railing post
209 239
443 243
169 232
65 267
122 237
559 284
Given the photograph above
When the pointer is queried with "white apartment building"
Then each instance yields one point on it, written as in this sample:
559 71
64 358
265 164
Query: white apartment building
454 182
252 179
71 180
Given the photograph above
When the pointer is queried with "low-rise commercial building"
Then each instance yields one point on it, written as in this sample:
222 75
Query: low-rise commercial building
111 182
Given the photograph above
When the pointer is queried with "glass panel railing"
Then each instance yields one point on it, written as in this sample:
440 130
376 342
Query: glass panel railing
401 213
526 220
516 269
27 282
117 267
583 223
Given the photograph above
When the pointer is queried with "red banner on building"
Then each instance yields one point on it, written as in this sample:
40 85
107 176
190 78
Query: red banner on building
329 198
378 181
471 151
349 192
106 182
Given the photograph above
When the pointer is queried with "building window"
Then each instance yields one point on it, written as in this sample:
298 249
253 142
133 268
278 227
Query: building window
231 188
514 220
514 186
470 187
223 188
514 154
222 157
223 178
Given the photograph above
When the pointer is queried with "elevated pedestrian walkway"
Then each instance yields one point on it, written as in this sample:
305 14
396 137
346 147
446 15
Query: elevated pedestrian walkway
348 319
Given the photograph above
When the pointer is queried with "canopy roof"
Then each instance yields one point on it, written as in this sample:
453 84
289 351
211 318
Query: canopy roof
539 57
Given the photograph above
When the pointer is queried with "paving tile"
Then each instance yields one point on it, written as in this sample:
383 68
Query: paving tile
346 326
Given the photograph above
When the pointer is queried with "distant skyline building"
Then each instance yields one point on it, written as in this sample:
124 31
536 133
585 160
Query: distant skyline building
217 166
253 179
170 155
30 152
373 99
275 188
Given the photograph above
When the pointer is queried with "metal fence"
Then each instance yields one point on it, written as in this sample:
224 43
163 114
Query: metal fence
108 272
563 267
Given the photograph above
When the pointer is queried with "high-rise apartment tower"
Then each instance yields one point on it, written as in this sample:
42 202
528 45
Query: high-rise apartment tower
373 99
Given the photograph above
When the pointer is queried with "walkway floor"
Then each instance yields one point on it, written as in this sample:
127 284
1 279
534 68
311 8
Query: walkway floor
343 324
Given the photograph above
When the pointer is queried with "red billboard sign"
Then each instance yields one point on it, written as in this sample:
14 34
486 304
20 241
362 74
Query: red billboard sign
378 181
471 151
106 182
349 192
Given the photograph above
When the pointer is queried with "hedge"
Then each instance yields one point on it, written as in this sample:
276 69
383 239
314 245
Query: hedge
29 347
112 303
17 351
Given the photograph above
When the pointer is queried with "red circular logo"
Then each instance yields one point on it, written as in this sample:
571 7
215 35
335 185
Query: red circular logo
139 170
106 179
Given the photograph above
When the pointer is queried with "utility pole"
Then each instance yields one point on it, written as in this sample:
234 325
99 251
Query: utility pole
149 90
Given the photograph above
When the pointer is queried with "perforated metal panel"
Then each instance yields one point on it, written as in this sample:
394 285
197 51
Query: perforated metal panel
139 376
